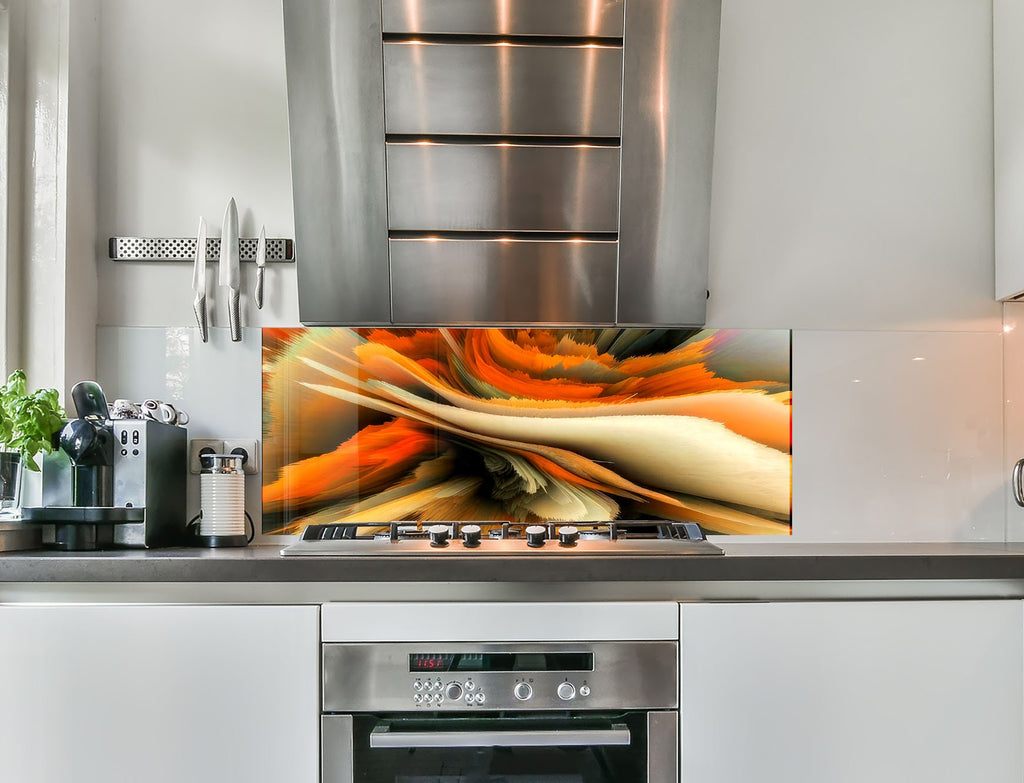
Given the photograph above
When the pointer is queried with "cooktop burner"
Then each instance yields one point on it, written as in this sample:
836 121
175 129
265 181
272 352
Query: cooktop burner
632 537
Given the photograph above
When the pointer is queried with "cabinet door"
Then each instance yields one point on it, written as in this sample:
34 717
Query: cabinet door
883 691
162 694
1008 127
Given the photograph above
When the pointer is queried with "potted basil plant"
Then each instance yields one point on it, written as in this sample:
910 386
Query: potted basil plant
28 423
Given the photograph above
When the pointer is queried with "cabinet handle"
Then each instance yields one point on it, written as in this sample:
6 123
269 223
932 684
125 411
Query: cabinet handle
381 737
1018 488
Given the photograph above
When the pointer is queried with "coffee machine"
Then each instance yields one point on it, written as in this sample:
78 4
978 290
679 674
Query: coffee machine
118 482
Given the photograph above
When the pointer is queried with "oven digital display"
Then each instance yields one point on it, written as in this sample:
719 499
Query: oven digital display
502 662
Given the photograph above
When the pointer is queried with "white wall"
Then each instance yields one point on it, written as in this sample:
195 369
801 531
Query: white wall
852 203
193 112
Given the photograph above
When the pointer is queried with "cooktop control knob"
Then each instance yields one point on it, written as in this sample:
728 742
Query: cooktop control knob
438 535
566 691
471 535
568 535
453 692
536 535
522 691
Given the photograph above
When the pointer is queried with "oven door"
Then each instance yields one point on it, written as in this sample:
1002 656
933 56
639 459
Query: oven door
630 747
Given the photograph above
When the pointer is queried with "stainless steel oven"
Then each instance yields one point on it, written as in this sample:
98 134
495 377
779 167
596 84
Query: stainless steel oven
518 712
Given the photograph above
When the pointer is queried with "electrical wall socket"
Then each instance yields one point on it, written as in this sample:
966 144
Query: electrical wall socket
250 450
198 445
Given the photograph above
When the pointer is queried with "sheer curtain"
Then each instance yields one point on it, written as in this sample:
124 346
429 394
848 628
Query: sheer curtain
5 189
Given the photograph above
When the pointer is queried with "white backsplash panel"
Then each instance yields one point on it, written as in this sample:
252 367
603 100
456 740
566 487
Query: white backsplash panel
1013 394
217 383
897 436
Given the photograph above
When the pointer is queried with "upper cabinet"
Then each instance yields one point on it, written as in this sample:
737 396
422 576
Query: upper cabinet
1008 125
502 161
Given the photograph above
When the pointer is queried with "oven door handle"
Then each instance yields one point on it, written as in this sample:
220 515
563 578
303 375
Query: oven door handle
383 737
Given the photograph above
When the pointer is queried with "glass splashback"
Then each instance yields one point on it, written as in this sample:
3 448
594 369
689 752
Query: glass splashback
373 425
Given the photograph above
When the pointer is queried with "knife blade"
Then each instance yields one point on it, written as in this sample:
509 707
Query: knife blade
229 274
261 262
199 281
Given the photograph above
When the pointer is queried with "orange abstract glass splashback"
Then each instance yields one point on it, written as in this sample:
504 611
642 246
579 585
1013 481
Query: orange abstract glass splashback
374 425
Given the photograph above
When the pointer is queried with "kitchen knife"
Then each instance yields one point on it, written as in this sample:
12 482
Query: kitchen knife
199 281
229 275
261 262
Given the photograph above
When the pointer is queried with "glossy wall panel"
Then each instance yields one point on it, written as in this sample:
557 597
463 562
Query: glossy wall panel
526 425
216 383
1013 394
897 436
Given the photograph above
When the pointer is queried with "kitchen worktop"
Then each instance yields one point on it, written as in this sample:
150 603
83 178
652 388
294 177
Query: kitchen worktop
746 571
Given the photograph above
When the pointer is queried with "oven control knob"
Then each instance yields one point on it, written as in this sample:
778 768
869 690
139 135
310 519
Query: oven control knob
568 535
438 535
566 691
536 535
471 535
584 690
522 691
453 692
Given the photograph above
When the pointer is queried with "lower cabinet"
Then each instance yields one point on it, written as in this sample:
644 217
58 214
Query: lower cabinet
159 694
901 692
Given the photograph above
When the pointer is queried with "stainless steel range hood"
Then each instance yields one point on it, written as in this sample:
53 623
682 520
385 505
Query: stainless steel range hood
502 161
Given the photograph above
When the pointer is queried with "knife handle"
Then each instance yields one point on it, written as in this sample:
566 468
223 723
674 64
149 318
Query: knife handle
234 317
199 306
258 294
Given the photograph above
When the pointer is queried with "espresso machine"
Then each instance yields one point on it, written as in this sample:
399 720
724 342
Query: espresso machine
117 482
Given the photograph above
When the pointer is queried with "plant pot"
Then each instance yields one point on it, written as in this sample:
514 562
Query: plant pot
11 469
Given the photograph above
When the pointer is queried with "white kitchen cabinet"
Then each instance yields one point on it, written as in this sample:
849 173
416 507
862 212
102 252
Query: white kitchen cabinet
848 692
161 694
1008 132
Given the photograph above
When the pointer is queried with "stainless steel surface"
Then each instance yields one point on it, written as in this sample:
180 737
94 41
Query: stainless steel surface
594 18
199 281
228 268
17 536
149 473
335 78
150 465
668 128
376 677
279 251
663 747
502 89
261 262
1016 483
383 737
502 187
495 281
221 463
336 749
489 72
497 548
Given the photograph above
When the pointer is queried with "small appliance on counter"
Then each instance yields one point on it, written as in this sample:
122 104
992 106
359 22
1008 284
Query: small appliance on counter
222 496
112 482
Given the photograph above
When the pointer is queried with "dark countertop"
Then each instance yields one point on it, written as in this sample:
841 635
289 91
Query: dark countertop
743 562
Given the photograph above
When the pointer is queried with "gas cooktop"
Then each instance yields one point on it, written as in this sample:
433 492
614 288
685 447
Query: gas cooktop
460 539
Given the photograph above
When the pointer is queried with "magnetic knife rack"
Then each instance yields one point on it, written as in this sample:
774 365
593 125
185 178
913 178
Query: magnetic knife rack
279 251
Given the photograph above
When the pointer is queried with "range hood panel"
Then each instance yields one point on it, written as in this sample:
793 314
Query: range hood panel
580 131
502 188
438 88
592 18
